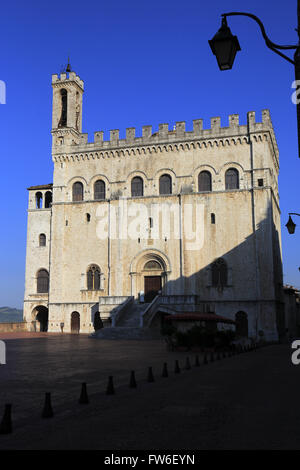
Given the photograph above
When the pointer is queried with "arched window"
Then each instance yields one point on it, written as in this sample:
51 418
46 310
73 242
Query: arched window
42 281
39 200
42 239
77 191
137 186
165 184
241 324
48 199
93 278
219 273
99 190
232 179
64 107
204 181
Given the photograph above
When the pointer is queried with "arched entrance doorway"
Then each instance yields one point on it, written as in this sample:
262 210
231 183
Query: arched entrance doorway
152 279
75 322
149 272
41 317
241 325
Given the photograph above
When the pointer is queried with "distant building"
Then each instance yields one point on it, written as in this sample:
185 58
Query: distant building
216 247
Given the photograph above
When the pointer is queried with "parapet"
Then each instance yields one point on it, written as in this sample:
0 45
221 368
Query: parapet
178 132
67 77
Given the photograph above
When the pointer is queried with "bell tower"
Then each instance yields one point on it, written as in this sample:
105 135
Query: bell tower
66 109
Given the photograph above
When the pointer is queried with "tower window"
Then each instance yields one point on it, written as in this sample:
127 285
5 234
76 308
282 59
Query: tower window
212 218
88 217
260 182
204 181
39 200
232 179
48 199
42 239
137 186
150 222
93 278
42 281
99 190
64 106
77 192
165 184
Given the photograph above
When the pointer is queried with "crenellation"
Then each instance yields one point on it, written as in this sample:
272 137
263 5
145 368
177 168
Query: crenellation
114 135
83 139
215 124
146 132
234 120
98 137
163 130
197 126
130 134
180 128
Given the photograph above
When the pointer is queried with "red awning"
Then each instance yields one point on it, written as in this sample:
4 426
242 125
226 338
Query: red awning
196 316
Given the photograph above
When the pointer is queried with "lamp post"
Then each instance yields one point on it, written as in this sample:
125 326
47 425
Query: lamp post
290 225
225 46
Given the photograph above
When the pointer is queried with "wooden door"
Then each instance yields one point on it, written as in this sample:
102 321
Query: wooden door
75 322
152 286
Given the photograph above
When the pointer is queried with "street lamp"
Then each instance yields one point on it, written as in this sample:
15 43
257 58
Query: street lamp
225 46
290 225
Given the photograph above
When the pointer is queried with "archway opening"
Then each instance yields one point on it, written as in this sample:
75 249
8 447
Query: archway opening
42 317
152 279
75 322
98 323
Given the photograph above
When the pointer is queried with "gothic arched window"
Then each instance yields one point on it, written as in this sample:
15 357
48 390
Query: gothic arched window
93 278
77 191
137 186
99 190
64 107
219 273
232 179
165 184
204 181
42 239
42 281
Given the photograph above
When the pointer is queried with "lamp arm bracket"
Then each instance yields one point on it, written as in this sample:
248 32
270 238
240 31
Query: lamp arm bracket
270 44
294 213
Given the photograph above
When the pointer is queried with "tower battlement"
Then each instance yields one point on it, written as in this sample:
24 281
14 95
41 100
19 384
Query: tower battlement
164 134
67 77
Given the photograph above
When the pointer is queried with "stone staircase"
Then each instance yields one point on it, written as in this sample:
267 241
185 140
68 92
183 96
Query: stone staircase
128 326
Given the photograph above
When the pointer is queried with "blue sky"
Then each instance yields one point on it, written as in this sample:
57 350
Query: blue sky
142 63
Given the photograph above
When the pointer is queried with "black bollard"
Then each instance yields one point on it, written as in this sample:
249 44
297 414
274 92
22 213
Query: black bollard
224 355
6 425
177 368
47 411
197 362
218 356
132 382
150 377
83 399
212 357
110 386
205 361
187 364
165 370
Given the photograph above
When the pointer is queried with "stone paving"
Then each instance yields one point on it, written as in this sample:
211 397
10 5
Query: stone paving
246 401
